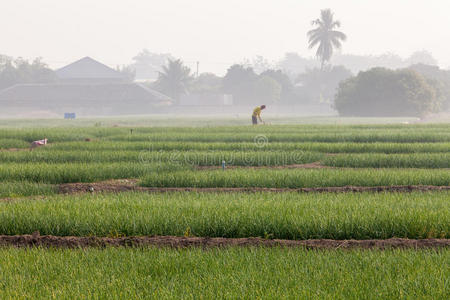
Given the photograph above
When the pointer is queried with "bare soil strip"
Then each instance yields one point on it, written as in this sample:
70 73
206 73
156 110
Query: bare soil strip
115 186
36 240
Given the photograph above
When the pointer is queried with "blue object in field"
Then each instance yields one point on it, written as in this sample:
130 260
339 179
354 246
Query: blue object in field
223 165
69 115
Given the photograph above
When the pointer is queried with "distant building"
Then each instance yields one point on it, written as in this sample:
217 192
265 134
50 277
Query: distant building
88 70
85 87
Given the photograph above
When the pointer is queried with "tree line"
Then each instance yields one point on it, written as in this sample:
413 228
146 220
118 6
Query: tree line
14 71
415 86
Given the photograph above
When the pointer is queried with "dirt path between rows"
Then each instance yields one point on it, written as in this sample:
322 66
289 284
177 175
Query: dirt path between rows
36 240
116 186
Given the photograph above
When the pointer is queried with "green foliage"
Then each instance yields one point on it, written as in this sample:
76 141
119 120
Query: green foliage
279 215
439 80
161 156
115 153
283 134
13 143
79 172
350 147
382 92
230 273
10 189
364 160
298 178
197 158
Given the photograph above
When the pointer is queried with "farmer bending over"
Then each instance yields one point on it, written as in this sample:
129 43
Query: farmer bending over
257 114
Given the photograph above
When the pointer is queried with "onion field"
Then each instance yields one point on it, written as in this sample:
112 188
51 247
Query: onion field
231 273
237 184
237 215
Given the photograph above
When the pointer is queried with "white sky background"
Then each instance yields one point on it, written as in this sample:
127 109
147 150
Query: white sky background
217 33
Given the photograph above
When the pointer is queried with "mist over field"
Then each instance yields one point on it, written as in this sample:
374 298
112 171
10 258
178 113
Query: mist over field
206 58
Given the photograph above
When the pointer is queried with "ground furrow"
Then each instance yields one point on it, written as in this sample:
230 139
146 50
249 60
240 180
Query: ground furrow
36 240
130 185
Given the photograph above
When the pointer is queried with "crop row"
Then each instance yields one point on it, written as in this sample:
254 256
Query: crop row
206 158
298 178
355 137
13 143
284 215
376 160
178 175
235 158
231 273
12 189
388 148
298 133
79 172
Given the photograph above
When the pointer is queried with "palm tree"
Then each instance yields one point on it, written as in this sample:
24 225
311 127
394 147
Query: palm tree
174 79
326 36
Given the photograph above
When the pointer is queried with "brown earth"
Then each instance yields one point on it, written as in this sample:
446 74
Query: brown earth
36 240
130 185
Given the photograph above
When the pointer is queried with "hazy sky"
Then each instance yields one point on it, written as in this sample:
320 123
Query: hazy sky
215 32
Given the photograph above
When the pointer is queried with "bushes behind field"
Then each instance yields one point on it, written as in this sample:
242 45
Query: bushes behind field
381 92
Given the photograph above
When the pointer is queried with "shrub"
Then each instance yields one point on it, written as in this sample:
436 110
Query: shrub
382 92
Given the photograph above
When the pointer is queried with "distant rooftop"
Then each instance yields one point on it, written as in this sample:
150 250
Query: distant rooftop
88 68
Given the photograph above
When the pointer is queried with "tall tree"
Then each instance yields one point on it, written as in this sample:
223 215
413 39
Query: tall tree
174 79
325 36
239 82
